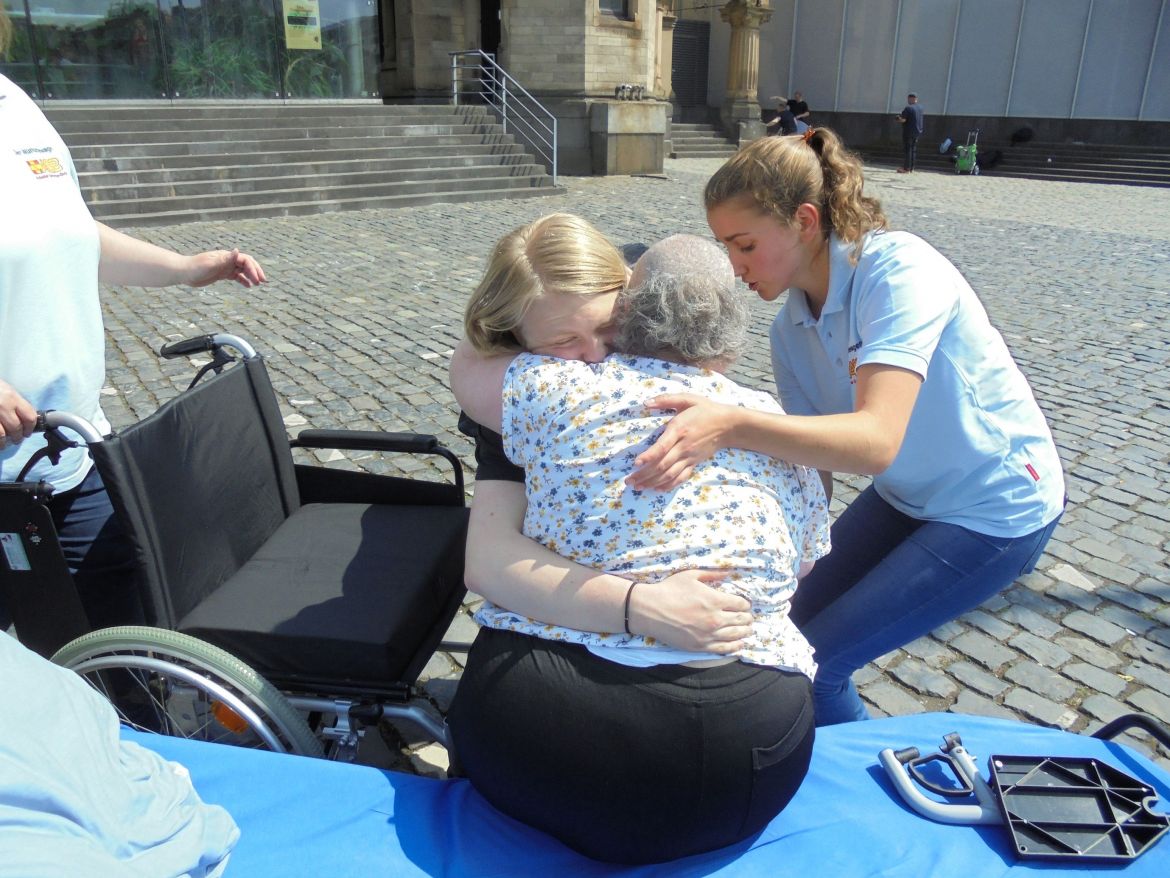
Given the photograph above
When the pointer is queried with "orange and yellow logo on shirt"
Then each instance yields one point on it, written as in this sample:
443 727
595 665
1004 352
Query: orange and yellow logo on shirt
41 167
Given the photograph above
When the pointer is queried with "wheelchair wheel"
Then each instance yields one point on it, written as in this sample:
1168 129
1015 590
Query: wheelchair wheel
173 684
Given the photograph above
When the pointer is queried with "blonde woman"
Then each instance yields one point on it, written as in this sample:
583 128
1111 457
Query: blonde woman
678 717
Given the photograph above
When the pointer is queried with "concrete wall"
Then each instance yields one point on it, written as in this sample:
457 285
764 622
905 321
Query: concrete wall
1056 59
424 32
872 129
543 44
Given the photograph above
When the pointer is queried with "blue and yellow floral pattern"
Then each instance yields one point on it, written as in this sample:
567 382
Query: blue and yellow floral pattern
576 429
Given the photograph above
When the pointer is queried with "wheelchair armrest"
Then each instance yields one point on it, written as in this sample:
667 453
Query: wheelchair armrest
366 440
1128 721
374 440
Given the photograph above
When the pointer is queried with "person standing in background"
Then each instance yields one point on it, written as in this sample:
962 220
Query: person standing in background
799 109
911 119
53 255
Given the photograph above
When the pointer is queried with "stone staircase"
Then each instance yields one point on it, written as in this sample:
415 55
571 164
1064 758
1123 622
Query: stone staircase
699 140
163 164
1071 162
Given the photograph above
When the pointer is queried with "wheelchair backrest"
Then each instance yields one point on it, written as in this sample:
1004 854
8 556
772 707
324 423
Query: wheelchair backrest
200 485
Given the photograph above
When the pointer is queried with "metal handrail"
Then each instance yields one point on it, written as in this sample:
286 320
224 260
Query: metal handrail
530 121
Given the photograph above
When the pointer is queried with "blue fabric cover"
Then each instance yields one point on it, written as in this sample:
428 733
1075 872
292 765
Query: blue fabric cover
77 800
303 817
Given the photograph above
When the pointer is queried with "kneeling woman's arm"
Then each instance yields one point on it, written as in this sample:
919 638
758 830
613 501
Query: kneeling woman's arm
863 441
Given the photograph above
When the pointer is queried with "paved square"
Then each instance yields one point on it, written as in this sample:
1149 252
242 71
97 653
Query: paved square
362 310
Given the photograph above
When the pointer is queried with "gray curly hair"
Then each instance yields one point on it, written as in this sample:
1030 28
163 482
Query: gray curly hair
681 304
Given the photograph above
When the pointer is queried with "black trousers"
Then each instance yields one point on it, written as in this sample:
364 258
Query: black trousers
629 765
910 152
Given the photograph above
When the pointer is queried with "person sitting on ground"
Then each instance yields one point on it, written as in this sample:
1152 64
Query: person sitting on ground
783 123
625 747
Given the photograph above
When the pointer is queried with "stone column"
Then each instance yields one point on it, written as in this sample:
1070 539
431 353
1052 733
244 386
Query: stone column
741 108
663 87
663 84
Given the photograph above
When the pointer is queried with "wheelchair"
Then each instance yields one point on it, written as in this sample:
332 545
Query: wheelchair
288 606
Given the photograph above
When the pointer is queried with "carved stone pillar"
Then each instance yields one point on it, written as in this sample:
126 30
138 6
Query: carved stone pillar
663 87
741 108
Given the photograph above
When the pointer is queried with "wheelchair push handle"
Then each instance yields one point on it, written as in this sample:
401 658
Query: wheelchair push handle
201 344
903 769
49 421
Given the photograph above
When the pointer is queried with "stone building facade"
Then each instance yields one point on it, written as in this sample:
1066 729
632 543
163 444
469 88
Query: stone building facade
573 55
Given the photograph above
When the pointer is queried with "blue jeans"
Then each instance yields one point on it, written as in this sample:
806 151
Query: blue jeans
98 554
889 580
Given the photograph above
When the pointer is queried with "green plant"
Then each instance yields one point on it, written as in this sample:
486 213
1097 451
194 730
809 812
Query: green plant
316 73
221 68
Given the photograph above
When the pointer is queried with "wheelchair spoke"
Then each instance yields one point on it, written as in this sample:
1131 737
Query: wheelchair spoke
169 683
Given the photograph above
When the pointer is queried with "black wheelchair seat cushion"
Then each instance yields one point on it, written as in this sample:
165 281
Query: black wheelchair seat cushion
353 593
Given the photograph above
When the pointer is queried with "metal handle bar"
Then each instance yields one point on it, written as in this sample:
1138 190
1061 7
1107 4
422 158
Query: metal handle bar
205 343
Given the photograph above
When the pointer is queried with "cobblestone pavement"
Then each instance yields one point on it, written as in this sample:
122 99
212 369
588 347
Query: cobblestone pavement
362 311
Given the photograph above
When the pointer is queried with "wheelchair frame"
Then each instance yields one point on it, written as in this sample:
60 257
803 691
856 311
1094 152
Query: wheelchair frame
176 683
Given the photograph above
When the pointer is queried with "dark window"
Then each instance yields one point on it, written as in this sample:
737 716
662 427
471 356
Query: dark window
618 8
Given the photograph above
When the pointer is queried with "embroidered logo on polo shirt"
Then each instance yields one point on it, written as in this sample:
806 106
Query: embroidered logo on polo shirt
50 167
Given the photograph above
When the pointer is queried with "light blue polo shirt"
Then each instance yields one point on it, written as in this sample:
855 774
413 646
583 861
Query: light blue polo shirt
977 451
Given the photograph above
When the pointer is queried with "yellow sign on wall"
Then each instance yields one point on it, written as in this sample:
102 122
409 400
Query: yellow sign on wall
302 24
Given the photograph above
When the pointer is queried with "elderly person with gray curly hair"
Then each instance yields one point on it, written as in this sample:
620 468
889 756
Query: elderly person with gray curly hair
622 746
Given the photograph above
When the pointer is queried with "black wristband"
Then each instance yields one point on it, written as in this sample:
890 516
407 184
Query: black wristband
629 591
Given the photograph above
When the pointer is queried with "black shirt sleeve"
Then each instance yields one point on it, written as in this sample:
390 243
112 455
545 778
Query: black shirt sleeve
492 465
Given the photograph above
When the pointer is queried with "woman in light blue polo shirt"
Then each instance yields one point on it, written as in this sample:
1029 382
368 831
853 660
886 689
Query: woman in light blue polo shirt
886 365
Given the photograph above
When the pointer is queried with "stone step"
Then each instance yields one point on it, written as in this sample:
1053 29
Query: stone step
65 111
179 124
1017 160
106 195
286 144
1089 172
420 147
426 160
152 164
302 208
198 203
699 140
703 154
428 127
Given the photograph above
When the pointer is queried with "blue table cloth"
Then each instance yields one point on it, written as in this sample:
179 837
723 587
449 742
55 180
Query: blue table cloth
308 817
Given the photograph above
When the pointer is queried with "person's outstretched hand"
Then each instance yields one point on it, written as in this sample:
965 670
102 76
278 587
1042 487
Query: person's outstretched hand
207 268
692 436
685 612
17 416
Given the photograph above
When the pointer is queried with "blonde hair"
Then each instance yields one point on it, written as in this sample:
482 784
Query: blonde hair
778 174
558 253
5 32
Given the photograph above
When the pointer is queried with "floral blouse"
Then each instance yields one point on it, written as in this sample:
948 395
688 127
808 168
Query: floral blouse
576 429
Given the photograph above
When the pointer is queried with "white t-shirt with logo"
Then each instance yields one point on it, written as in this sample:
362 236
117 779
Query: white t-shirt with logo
576 429
52 343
